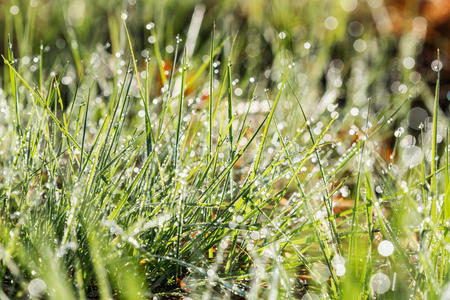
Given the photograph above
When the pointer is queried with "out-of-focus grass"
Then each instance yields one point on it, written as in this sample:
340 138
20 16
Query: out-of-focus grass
220 149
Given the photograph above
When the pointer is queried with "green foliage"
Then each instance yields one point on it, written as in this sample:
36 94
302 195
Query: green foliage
271 162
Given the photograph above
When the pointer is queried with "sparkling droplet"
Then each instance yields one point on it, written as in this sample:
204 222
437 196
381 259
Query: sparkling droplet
355 28
412 156
334 114
339 269
14 10
399 132
254 235
402 88
360 45
380 283
417 116
409 62
339 265
354 111
379 189
385 248
36 287
331 23
349 5
436 65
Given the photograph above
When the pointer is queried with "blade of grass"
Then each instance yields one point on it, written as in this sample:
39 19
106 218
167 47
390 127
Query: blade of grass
434 182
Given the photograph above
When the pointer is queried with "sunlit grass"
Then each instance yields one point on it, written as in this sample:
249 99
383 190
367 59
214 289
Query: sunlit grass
159 171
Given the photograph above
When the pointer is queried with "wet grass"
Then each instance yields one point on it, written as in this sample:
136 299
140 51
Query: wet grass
172 173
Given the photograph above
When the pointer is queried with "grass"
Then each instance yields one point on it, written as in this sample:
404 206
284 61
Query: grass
137 172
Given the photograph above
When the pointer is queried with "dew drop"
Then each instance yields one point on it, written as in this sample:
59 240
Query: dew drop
339 265
402 88
331 23
14 10
36 287
380 283
399 132
354 111
436 65
360 45
169 49
349 5
409 62
385 248
355 28
412 156
408 141
417 116
254 235
379 189
339 269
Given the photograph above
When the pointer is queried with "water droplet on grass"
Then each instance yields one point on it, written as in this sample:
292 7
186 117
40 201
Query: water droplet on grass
349 5
355 28
339 269
254 235
14 10
169 49
331 23
354 111
436 65
360 45
399 132
339 265
409 62
412 156
408 141
380 283
385 248
36 287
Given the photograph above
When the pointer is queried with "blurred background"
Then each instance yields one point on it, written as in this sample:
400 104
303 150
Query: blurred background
344 49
